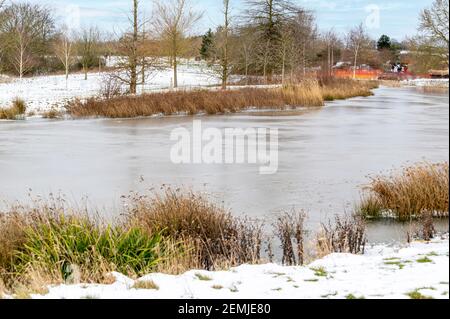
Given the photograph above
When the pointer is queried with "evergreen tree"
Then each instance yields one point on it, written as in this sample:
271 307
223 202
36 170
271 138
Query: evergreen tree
384 43
207 45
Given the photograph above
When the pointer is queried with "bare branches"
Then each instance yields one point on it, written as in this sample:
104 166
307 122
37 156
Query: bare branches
174 19
435 21
357 42
63 49
25 27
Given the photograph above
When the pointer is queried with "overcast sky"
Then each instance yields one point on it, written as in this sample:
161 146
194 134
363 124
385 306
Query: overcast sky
396 18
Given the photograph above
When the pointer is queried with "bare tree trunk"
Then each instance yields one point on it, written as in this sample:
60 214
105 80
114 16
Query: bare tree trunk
225 65
21 62
85 70
304 60
332 60
329 60
133 58
175 71
356 62
283 67
266 60
143 58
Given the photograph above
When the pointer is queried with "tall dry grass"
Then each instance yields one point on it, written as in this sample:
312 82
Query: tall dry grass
421 188
309 93
341 89
215 238
15 112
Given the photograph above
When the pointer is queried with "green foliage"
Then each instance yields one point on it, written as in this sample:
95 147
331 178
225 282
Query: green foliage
207 45
77 241
417 295
384 43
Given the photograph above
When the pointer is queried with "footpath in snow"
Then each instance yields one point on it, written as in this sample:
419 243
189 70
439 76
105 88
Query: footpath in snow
413 271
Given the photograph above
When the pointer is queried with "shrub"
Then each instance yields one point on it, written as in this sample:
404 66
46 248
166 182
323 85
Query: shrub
290 227
345 235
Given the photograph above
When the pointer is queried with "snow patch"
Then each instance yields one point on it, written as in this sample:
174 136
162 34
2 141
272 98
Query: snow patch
383 272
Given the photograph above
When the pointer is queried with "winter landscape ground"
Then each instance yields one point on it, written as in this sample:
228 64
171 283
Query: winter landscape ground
415 271
44 93
268 155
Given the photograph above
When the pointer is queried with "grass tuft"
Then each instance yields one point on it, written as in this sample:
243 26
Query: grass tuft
145 284
420 189
203 277
417 295
15 112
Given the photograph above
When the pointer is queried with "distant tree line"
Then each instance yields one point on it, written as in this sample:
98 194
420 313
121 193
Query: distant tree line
268 39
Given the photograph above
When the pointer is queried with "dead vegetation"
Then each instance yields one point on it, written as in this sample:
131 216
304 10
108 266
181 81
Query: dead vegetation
345 235
419 189
214 237
307 93
15 112
290 229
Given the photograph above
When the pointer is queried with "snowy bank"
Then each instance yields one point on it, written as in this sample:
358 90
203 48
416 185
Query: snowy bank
44 93
444 83
416 270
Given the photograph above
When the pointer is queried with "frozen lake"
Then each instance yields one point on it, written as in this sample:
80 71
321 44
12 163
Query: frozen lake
326 155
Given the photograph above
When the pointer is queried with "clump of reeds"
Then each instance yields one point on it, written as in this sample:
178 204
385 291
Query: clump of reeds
52 114
215 237
53 242
16 111
340 89
199 101
419 189
290 229
343 235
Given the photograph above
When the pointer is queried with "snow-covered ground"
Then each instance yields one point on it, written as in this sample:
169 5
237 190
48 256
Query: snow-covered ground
52 92
383 272
427 83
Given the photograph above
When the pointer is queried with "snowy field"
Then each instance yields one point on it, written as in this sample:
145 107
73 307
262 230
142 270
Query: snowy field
419 269
52 92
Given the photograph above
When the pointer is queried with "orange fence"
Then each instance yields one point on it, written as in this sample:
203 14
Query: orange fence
360 74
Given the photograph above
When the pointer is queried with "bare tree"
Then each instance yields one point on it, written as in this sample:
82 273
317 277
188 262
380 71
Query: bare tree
246 44
63 48
26 27
2 35
87 46
173 20
332 42
267 16
220 50
137 58
225 45
434 22
357 42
